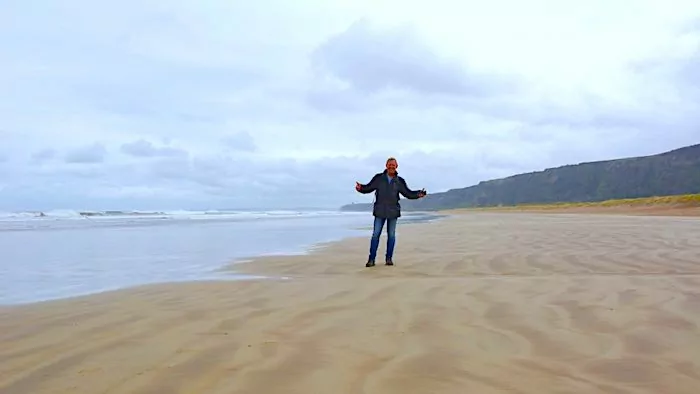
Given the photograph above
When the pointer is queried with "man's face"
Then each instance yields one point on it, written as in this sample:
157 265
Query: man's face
391 166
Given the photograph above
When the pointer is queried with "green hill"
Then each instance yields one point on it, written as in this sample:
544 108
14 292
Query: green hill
669 173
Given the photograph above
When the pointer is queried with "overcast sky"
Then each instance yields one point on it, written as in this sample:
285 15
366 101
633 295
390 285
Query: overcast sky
218 103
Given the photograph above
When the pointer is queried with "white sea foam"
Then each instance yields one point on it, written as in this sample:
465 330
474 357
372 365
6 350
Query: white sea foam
73 218
73 214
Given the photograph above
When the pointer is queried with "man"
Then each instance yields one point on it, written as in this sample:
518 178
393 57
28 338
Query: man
387 186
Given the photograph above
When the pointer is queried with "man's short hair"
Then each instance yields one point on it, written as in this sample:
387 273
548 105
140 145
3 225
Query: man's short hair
391 158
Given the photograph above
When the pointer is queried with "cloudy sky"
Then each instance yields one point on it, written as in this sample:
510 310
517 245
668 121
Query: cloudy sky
169 104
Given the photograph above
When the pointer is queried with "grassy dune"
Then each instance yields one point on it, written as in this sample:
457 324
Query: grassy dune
675 201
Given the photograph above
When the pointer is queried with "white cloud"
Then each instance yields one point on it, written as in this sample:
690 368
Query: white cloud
222 104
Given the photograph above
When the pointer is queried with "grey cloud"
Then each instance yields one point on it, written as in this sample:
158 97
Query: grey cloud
43 155
368 61
681 73
141 89
372 60
364 69
4 139
241 141
94 173
133 65
213 173
239 181
341 100
691 27
94 153
688 75
144 148
668 114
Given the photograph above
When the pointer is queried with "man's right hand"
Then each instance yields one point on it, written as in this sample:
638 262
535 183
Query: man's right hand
358 186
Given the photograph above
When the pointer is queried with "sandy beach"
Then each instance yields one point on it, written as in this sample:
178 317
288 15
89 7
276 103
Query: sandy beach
480 302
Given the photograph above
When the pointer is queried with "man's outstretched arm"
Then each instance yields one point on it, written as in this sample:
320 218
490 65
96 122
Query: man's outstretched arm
369 187
408 193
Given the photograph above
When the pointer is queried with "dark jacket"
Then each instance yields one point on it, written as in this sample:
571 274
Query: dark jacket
386 195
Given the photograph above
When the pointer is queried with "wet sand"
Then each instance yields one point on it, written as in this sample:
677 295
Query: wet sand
477 303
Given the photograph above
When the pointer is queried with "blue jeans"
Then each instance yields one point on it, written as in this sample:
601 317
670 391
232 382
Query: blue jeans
377 232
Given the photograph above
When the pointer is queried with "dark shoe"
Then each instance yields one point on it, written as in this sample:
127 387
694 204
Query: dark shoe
389 262
370 263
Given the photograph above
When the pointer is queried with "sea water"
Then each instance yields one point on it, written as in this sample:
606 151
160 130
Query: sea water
50 255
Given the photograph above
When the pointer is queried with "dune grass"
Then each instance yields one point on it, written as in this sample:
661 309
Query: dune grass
683 200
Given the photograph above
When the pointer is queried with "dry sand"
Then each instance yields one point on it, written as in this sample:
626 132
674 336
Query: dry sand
627 210
478 303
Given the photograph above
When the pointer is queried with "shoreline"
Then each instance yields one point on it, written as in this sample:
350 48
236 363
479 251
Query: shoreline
225 273
240 269
484 302
358 243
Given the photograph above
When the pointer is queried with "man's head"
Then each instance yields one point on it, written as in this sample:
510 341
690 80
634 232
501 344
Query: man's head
391 166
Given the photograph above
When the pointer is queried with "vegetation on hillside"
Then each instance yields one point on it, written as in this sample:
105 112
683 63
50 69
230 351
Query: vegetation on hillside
673 173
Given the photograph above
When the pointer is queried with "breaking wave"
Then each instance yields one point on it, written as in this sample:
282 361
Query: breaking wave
70 218
71 214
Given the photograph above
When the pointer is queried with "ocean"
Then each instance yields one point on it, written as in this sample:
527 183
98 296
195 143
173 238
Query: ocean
59 254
